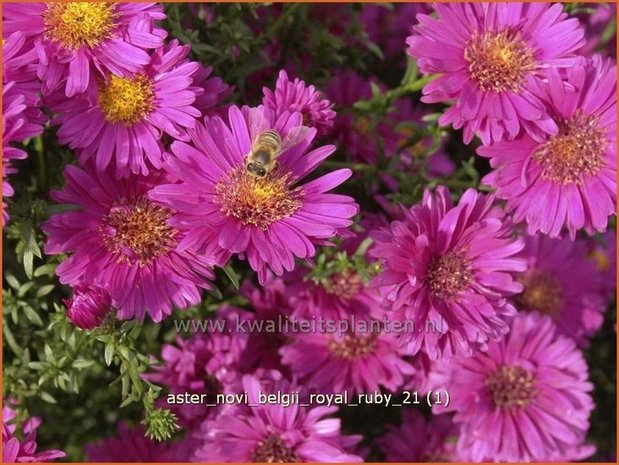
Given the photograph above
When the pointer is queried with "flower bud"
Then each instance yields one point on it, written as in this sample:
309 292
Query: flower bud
89 306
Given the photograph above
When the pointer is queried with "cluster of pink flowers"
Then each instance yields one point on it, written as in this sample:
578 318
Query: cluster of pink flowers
162 194
546 116
162 187
20 444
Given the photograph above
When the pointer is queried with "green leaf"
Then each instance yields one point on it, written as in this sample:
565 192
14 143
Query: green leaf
24 288
44 290
32 315
232 275
127 401
47 397
109 354
411 73
375 89
28 262
47 269
12 280
81 363
49 353
37 366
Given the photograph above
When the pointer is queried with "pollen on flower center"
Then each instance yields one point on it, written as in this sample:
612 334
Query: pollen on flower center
511 386
258 201
79 24
449 275
575 152
273 450
126 100
499 62
353 347
346 284
136 231
542 292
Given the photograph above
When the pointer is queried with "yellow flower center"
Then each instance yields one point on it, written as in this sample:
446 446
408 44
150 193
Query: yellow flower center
575 152
542 292
449 275
346 284
79 24
126 100
136 231
352 346
258 201
511 387
499 61
601 259
273 450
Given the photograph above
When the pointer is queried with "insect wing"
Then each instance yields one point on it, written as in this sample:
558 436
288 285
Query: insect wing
257 123
294 136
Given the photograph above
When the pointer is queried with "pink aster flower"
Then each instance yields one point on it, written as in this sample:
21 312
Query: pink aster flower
448 270
419 440
208 363
361 359
567 180
75 41
297 96
22 447
89 306
535 380
575 301
355 137
489 57
12 106
122 241
132 445
268 220
425 376
271 305
121 122
389 25
21 114
604 254
273 433
20 81
597 20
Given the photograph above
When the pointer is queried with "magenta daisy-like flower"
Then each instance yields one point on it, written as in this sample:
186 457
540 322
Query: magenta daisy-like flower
339 293
296 96
489 57
20 81
269 220
271 306
273 433
359 360
530 390
604 255
575 302
122 120
75 41
21 113
132 445
447 271
569 179
389 25
207 363
122 241
419 440
21 447
12 106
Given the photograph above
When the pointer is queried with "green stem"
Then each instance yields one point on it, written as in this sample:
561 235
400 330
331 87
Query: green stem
352 166
42 162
